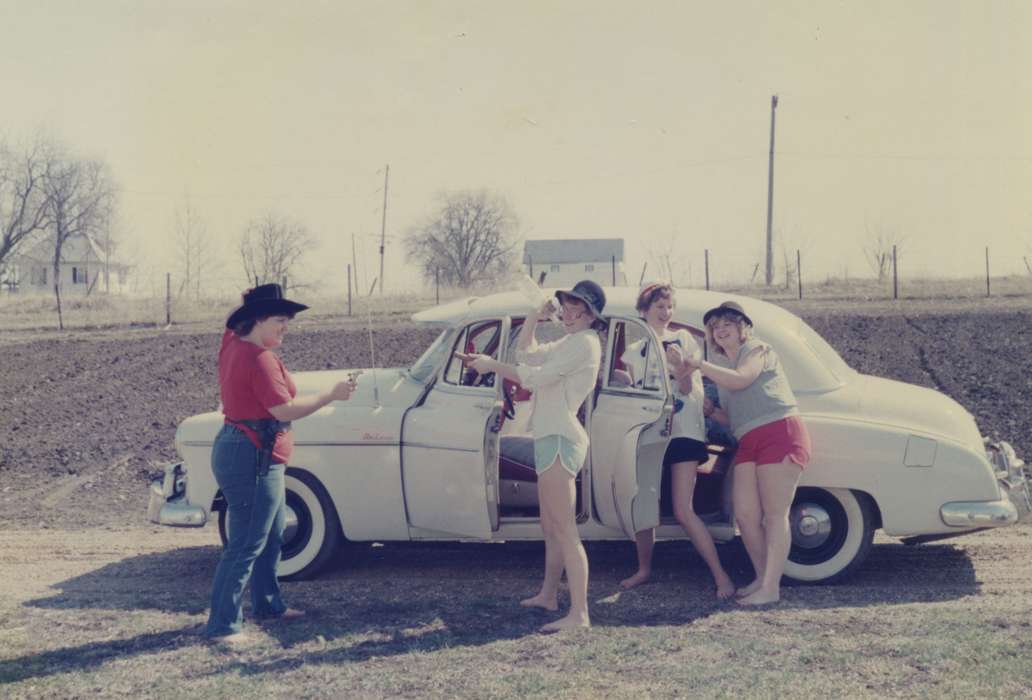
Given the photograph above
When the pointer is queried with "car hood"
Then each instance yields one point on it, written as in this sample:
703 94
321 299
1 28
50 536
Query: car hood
900 405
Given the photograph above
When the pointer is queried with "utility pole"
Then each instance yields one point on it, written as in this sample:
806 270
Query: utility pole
770 194
383 229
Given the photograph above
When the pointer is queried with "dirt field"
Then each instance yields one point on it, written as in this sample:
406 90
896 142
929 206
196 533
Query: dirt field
95 601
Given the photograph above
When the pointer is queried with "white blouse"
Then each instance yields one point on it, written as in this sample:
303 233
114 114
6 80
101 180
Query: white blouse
561 375
689 420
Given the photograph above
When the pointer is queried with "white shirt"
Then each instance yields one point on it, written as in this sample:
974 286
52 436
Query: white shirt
689 421
561 375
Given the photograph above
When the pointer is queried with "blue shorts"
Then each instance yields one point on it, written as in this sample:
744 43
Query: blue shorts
570 454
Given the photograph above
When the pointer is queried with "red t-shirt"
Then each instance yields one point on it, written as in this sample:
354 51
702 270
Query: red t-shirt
252 379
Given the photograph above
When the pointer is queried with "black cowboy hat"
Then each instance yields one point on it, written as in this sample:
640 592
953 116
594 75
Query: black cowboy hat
588 292
728 307
264 300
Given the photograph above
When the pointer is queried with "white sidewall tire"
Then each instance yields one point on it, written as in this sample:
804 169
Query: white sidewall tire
304 489
296 564
854 548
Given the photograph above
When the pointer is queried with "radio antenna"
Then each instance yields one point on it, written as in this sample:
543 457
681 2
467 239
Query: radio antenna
372 353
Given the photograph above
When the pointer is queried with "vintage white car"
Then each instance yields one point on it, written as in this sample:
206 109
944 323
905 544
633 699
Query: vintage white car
436 452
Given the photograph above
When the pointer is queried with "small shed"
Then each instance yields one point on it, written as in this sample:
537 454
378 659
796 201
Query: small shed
565 262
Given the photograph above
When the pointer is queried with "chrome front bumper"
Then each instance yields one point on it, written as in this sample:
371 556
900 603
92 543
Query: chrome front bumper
1015 506
168 504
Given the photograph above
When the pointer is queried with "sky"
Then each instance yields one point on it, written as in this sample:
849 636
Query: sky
644 121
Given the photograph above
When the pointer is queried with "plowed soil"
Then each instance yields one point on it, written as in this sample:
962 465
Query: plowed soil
88 418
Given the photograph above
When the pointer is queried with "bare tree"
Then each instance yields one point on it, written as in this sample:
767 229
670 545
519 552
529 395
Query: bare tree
81 199
271 247
193 248
24 202
471 238
878 248
662 255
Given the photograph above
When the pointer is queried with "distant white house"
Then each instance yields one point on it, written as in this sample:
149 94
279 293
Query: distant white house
85 268
566 262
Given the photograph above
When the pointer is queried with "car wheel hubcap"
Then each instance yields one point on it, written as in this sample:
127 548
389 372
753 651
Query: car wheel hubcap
819 525
297 531
811 525
290 529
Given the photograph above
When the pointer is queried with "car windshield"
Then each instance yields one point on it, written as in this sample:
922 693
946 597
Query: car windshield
431 357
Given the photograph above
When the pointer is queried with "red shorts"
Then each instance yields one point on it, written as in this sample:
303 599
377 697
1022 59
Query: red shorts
771 443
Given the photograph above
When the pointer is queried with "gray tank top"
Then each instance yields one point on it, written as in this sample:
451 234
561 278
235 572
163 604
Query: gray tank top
769 398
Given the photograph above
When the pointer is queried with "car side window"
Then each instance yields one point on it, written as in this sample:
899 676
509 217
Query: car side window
481 338
634 364
544 333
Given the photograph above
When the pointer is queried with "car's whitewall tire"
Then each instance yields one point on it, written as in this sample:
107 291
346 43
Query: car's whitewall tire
312 535
832 531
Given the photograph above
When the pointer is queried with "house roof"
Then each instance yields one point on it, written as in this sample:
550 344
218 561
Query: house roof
582 250
76 249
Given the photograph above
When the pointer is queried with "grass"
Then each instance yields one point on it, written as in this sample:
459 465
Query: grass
121 618
837 289
39 313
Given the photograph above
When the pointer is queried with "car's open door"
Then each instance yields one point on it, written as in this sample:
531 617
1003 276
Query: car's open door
630 428
449 451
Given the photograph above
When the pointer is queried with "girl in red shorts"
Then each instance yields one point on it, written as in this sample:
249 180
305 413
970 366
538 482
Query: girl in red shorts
773 445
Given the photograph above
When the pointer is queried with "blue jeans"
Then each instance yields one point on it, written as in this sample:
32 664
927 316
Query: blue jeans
256 509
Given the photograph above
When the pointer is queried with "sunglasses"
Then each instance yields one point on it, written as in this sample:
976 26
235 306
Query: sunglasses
571 314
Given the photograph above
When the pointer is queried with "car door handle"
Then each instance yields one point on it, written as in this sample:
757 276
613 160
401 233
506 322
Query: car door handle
650 409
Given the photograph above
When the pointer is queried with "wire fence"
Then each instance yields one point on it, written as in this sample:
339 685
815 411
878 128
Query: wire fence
22 311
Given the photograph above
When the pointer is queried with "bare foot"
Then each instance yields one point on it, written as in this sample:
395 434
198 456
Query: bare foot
571 621
636 580
540 601
750 589
231 641
725 587
761 597
288 615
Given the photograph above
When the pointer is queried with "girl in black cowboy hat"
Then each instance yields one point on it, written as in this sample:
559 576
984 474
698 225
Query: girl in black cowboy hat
561 375
259 400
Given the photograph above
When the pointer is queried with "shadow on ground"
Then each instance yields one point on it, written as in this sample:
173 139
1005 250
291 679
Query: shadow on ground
402 598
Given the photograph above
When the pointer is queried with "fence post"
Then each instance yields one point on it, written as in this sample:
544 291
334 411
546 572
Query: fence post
349 289
168 298
614 270
437 285
799 271
284 284
895 275
707 269
530 260
987 292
